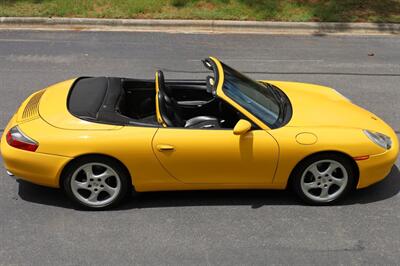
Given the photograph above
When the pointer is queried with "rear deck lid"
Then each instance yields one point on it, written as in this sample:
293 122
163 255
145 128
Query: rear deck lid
53 109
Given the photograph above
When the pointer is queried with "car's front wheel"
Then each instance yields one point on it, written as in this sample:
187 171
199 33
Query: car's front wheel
96 182
323 179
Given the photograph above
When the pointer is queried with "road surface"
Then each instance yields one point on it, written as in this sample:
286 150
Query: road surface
39 227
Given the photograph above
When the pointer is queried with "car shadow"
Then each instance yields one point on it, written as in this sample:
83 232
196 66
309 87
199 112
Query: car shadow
385 189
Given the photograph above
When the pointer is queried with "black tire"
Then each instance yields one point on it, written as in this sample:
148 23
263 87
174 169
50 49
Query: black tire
123 187
319 160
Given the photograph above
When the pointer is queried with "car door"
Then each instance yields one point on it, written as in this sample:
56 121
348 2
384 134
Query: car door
217 156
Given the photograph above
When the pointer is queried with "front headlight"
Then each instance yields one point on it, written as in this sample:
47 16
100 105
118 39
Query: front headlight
378 138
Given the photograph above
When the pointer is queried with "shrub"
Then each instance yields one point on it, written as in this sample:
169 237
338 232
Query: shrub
179 3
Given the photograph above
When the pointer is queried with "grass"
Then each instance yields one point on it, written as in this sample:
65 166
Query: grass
272 10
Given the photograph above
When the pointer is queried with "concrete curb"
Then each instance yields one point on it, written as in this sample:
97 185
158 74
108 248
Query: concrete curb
198 25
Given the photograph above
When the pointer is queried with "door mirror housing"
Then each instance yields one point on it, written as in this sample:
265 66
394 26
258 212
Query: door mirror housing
242 127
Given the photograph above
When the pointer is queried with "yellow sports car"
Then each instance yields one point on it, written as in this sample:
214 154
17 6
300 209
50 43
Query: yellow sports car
97 137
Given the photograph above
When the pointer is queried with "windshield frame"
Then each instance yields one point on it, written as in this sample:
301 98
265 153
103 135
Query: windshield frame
283 118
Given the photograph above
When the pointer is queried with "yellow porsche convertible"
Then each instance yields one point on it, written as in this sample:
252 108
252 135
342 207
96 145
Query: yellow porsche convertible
99 137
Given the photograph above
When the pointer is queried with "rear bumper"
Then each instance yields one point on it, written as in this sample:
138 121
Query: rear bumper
377 167
38 168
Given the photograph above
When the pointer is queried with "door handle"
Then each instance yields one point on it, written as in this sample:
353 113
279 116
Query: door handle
165 147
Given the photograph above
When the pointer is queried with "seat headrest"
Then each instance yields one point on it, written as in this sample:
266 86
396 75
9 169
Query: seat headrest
160 75
161 83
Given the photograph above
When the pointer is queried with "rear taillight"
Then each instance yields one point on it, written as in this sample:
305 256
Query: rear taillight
17 139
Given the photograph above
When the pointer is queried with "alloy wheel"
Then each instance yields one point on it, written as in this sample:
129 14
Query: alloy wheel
324 180
95 184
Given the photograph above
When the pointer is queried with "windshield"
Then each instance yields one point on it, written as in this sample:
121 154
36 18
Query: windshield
258 99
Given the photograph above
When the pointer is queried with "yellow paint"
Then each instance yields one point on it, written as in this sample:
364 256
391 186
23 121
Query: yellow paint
39 168
217 156
160 120
180 159
53 109
306 138
241 127
222 95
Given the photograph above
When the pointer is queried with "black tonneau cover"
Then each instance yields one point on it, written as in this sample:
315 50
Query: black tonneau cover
86 96
96 99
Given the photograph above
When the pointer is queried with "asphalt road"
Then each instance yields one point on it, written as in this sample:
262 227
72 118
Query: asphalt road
39 227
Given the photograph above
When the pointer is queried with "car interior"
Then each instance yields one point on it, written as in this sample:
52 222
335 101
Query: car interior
125 101
182 103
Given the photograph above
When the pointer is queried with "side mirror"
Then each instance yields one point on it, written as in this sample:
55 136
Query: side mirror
242 127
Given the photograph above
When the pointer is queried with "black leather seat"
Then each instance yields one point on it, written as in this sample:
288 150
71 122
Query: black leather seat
169 110
171 113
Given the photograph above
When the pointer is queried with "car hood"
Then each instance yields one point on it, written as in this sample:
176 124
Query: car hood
318 106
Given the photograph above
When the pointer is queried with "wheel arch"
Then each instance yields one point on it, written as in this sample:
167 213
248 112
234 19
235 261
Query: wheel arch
91 155
340 153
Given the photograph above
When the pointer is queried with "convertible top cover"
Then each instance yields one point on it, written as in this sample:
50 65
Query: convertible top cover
100 99
86 96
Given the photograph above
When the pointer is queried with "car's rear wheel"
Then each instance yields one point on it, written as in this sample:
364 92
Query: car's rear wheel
323 179
96 182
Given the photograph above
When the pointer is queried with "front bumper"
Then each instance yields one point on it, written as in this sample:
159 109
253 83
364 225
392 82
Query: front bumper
377 167
38 168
